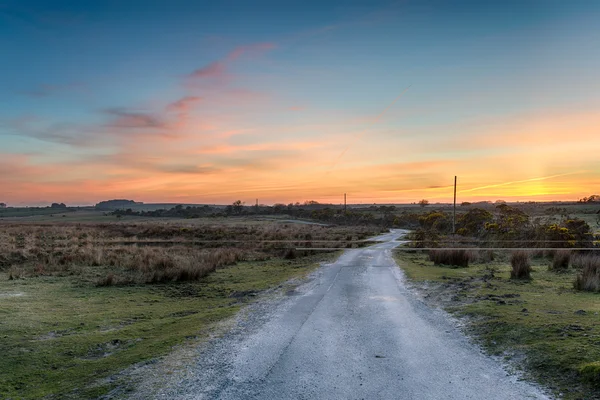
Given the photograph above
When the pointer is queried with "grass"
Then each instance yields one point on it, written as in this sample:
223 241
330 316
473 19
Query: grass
80 303
450 257
589 277
60 338
160 252
521 265
548 329
561 260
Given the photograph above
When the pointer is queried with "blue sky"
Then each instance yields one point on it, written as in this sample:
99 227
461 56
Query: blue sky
212 101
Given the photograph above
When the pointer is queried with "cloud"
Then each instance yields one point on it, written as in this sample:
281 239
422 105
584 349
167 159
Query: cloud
131 119
251 50
228 149
56 132
184 104
217 70
187 169
212 70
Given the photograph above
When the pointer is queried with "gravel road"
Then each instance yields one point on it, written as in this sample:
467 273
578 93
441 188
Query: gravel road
354 331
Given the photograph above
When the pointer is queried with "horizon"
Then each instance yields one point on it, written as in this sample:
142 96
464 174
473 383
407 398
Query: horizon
387 101
251 204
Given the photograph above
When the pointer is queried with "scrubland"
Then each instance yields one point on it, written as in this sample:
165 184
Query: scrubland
538 309
81 302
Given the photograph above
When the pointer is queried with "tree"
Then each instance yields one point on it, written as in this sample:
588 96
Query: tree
592 199
237 206
423 202
311 203
278 208
2 205
58 205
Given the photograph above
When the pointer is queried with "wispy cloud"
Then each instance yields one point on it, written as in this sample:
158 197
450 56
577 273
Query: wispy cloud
184 104
124 118
216 69
219 70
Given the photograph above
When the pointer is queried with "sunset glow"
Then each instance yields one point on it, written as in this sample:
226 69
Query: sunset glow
199 104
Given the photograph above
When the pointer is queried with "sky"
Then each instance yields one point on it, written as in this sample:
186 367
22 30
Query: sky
283 101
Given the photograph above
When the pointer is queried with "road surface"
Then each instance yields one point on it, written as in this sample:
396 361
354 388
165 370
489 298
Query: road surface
354 332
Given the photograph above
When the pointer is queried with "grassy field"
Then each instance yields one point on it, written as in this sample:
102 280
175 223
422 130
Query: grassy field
546 328
66 332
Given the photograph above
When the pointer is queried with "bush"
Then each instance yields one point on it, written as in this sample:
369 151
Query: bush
521 267
561 260
290 254
109 280
454 257
422 238
589 277
484 256
590 372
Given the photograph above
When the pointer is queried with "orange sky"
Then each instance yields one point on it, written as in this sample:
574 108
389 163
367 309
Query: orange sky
384 102
548 156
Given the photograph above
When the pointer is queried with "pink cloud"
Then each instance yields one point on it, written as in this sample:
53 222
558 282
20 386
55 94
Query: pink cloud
253 50
132 119
218 69
212 70
184 104
228 149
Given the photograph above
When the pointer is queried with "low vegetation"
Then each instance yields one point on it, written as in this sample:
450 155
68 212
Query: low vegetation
561 260
450 257
81 303
588 278
124 254
521 265
546 328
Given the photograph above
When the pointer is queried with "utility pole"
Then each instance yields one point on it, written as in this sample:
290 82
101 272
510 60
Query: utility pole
344 203
454 212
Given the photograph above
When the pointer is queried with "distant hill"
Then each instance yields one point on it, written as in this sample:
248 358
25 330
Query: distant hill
116 204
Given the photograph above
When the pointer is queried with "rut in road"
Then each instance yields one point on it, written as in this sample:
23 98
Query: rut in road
353 332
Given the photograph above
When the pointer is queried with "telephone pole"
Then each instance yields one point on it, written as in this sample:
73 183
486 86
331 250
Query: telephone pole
454 212
344 203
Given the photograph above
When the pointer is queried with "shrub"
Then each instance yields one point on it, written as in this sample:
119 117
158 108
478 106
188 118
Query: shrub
484 256
109 280
454 257
581 261
521 266
422 238
290 254
590 372
589 277
561 260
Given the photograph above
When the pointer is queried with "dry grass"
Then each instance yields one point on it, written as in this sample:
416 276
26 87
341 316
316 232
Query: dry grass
118 254
452 257
521 265
561 260
589 277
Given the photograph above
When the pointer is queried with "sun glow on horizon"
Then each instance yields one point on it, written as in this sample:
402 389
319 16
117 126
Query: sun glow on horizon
300 110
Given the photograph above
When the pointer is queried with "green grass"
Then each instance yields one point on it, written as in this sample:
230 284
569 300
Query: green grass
59 338
34 212
551 331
